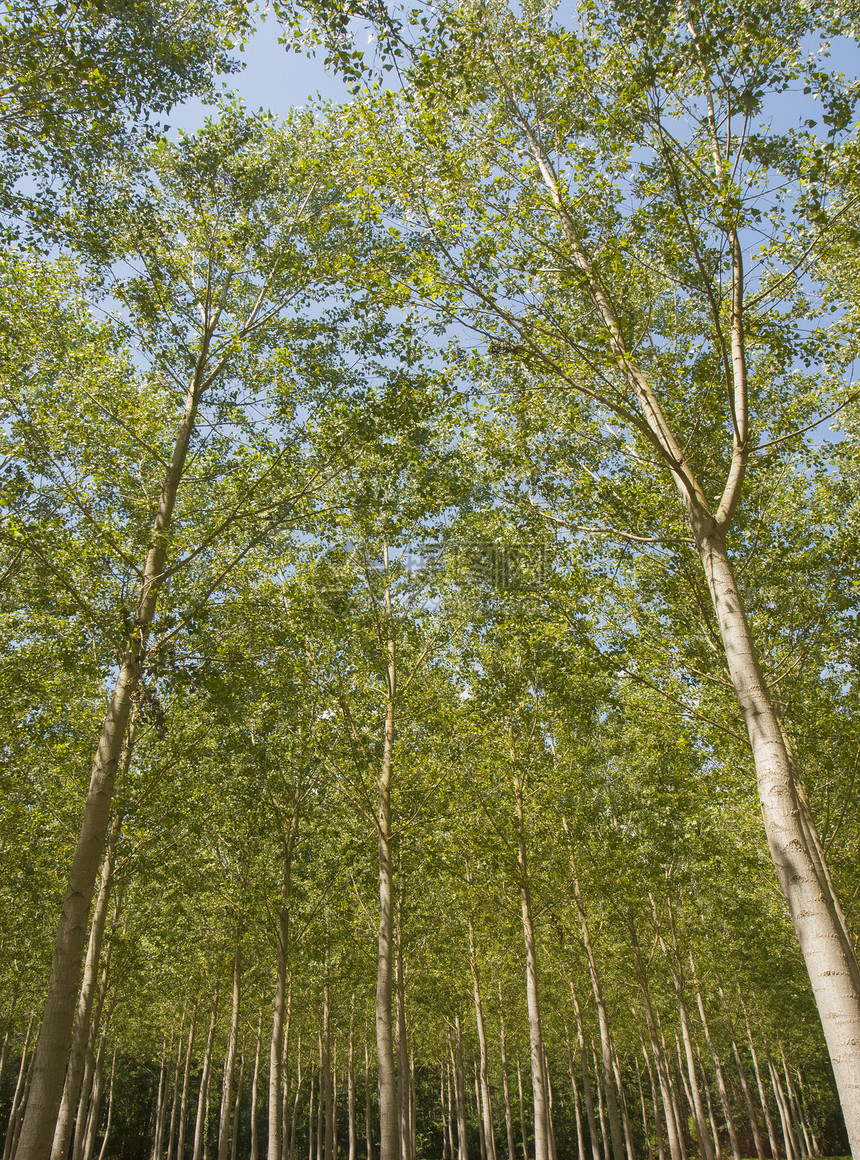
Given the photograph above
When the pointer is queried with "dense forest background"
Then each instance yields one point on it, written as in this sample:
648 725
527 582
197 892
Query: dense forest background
428 579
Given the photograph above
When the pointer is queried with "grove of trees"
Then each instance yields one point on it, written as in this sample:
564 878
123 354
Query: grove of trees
428 583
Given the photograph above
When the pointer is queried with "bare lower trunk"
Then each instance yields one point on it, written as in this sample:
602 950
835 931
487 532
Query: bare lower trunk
718 1067
186 1075
14 1121
580 1137
509 1119
327 1088
402 1042
89 1141
350 1084
656 1047
586 1079
459 1091
389 1134
771 1134
539 1094
171 1133
368 1124
237 1107
522 1108
658 1125
751 1112
161 1103
75 1070
203 1094
486 1105
230 1062
106 1136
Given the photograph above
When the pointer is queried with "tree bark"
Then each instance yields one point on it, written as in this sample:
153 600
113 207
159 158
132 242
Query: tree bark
459 1091
237 1106
186 1075
509 1119
203 1094
586 1079
18 1095
541 1116
350 1084
718 1067
230 1062
522 1108
55 1035
171 1133
751 1112
83 1011
389 1134
486 1105
762 1095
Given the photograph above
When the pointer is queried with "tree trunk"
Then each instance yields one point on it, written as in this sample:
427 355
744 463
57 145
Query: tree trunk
460 1092
326 1081
55 1035
203 1094
541 1116
600 1089
402 1041
718 1067
83 1011
586 1079
89 1139
762 1095
656 1047
161 1102
18 1095
230 1062
486 1105
522 1111
171 1133
296 1098
389 1135
622 1103
751 1112
645 1131
509 1119
186 1075
368 1124
106 1136
237 1106
580 1137
311 1118
350 1084
615 1128
658 1125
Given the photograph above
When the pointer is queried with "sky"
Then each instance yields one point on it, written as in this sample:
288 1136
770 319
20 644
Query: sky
273 78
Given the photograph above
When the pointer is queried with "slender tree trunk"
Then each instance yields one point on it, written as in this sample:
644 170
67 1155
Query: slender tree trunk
368 1124
622 1103
296 1098
89 1138
718 1151
486 1105
171 1134
402 1042
90 1060
762 1095
718 1067
186 1076
327 1087
541 1115
658 1124
549 1108
452 1151
447 1153
481 1141
580 1138
645 1131
161 1102
791 1150
656 1047
522 1111
16 1109
321 1102
230 1062
389 1135
203 1094
350 1084
586 1079
459 1091
600 1109
106 1136
751 1112
674 1098
55 1035
794 1107
615 1127
237 1107
311 1118
83 1011
509 1119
